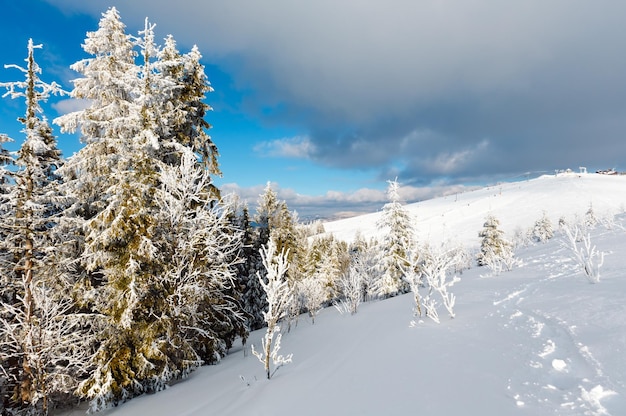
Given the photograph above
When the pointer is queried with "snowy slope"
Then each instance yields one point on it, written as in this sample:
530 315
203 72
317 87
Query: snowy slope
537 340
516 204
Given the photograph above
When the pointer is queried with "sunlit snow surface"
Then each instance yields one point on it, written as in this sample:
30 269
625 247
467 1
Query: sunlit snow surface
539 340
517 205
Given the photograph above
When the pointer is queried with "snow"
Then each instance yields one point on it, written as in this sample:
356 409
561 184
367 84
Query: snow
540 339
460 217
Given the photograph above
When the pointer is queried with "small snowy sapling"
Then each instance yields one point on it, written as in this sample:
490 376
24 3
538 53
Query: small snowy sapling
278 299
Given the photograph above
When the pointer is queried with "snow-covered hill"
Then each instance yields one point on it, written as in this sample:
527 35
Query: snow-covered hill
516 204
538 340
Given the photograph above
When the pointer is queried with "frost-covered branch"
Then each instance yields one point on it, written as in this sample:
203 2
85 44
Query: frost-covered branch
313 294
279 297
433 271
55 344
585 253
351 287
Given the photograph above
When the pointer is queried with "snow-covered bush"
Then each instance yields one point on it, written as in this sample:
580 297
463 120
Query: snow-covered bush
438 272
434 271
522 237
351 287
585 253
313 294
366 254
498 263
278 299
54 343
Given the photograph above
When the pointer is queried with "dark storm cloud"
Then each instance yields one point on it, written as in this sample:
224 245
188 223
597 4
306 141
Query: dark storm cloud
428 90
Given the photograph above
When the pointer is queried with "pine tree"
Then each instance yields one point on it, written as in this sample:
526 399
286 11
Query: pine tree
267 209
265 219
495 250
115 200
112 119
543 231
396 244
158 251
186 109
252 295
45 341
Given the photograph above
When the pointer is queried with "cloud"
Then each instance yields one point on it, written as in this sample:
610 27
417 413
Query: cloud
336 204
70 105
294 147
419 85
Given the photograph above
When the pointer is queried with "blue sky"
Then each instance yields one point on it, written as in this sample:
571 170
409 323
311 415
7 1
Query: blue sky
328 100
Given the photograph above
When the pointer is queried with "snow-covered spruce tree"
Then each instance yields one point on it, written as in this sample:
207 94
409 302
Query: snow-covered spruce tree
274 220
46 343
397 242
252 294
322 263
284 231
112 179
255 238
543 231
279 296
267 209
112 119
495 251
141 259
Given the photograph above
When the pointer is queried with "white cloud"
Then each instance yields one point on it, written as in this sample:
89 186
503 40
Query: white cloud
336 204
70 105
452 162
294 147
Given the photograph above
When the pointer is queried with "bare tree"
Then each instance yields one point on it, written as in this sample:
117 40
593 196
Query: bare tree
585 253
279 296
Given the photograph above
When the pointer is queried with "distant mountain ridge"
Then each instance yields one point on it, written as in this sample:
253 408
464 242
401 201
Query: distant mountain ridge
459 217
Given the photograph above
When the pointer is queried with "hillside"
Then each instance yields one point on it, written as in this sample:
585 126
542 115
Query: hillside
537 340
516 204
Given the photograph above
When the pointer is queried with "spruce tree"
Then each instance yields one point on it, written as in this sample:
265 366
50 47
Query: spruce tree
185 109
493 247
113 179
158 249
252 294
45 341
543 231
396 243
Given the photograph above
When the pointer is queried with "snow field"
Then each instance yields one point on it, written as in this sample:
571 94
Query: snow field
537 340
533 341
